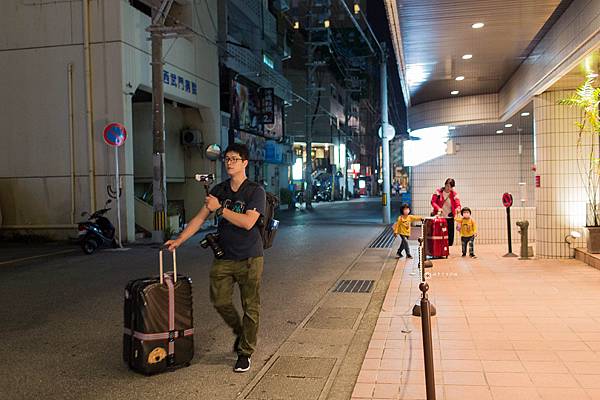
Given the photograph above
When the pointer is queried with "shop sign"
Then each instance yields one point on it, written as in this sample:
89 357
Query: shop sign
268 105
273 152
174 80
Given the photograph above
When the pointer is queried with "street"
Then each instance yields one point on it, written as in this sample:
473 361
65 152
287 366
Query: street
62 316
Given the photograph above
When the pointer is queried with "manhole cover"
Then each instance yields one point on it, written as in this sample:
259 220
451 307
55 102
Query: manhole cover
354 286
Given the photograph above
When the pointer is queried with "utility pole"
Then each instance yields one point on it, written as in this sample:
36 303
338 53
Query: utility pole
158 32
387 133
310 86
316 17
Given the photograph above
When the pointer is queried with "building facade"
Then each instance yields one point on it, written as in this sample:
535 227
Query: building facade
79 71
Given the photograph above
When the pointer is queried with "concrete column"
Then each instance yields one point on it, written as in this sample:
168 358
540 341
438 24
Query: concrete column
560 200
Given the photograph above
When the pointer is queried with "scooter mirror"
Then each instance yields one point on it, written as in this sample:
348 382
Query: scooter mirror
83 214
108 201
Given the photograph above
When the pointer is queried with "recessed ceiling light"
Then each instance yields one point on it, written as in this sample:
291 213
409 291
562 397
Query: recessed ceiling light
507 125
467 56
460 78
524 114
454 92
499 131
478 25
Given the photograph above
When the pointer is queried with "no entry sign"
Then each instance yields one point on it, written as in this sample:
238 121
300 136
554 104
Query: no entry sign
507 200
115 134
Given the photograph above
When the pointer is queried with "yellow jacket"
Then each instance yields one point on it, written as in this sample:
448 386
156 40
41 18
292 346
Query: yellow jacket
468 227
402 225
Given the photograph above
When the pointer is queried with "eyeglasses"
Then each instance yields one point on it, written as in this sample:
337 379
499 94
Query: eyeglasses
232 160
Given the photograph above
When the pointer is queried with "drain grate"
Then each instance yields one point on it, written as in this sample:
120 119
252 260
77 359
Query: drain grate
354 286
384 240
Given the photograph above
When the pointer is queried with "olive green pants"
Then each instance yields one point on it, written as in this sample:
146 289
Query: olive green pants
248 274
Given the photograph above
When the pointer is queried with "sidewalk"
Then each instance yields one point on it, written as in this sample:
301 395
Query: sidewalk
505 330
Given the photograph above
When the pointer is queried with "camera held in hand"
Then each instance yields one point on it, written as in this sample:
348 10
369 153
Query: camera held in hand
212 240
206 180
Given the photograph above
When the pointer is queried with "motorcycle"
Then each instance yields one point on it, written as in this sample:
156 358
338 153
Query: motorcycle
97 231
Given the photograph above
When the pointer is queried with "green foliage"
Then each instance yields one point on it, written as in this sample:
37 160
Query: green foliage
587 99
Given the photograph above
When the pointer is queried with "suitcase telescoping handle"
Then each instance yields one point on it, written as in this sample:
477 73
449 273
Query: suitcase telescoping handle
160 263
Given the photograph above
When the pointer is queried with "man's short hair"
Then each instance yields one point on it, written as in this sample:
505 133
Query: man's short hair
239 148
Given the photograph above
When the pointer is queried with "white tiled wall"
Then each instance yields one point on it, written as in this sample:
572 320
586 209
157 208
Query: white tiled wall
484 167
561 199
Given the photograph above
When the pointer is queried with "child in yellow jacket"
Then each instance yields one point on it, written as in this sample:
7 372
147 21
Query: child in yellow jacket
468 230
402 228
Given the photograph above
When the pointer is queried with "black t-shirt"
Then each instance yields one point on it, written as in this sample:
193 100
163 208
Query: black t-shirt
239 243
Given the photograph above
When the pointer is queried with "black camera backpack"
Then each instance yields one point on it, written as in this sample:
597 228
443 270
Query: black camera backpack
269 225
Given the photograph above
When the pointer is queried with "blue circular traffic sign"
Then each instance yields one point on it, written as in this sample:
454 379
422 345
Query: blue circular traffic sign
115 134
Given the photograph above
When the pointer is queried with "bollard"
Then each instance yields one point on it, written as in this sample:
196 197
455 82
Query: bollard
423 263
426 310
524 227
427 343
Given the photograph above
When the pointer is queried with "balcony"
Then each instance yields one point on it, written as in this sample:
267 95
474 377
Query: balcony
245 62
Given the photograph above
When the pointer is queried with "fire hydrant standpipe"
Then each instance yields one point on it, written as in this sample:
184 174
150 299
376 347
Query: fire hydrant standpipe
524 227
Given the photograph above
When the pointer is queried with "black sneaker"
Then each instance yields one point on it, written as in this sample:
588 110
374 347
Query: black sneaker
464 255
236 344
399 255
242 364
473 256
409 256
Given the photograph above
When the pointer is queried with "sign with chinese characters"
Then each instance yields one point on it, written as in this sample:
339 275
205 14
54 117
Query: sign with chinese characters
275 130
268 105
181 83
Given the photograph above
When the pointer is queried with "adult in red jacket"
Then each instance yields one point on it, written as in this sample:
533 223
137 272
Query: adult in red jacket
445 202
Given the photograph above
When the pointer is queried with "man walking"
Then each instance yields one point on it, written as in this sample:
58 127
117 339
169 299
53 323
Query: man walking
239 204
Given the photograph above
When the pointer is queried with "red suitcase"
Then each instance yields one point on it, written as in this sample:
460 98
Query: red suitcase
436 237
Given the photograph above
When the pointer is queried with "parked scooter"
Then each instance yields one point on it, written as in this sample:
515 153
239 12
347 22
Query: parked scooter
97 231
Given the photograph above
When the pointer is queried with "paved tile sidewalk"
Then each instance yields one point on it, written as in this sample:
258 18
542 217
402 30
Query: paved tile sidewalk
506 330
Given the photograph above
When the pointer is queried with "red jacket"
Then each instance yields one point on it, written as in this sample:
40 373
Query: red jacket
437 201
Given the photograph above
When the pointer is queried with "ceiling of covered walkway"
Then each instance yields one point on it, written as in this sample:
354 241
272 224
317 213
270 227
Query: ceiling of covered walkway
453 48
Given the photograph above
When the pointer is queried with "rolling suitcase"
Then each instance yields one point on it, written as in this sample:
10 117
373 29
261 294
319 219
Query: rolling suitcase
158 320
437 237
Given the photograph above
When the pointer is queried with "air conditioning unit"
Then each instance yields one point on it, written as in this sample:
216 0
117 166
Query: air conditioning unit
191 137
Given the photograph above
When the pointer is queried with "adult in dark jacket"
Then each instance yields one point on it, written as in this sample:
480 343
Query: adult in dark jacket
445 202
